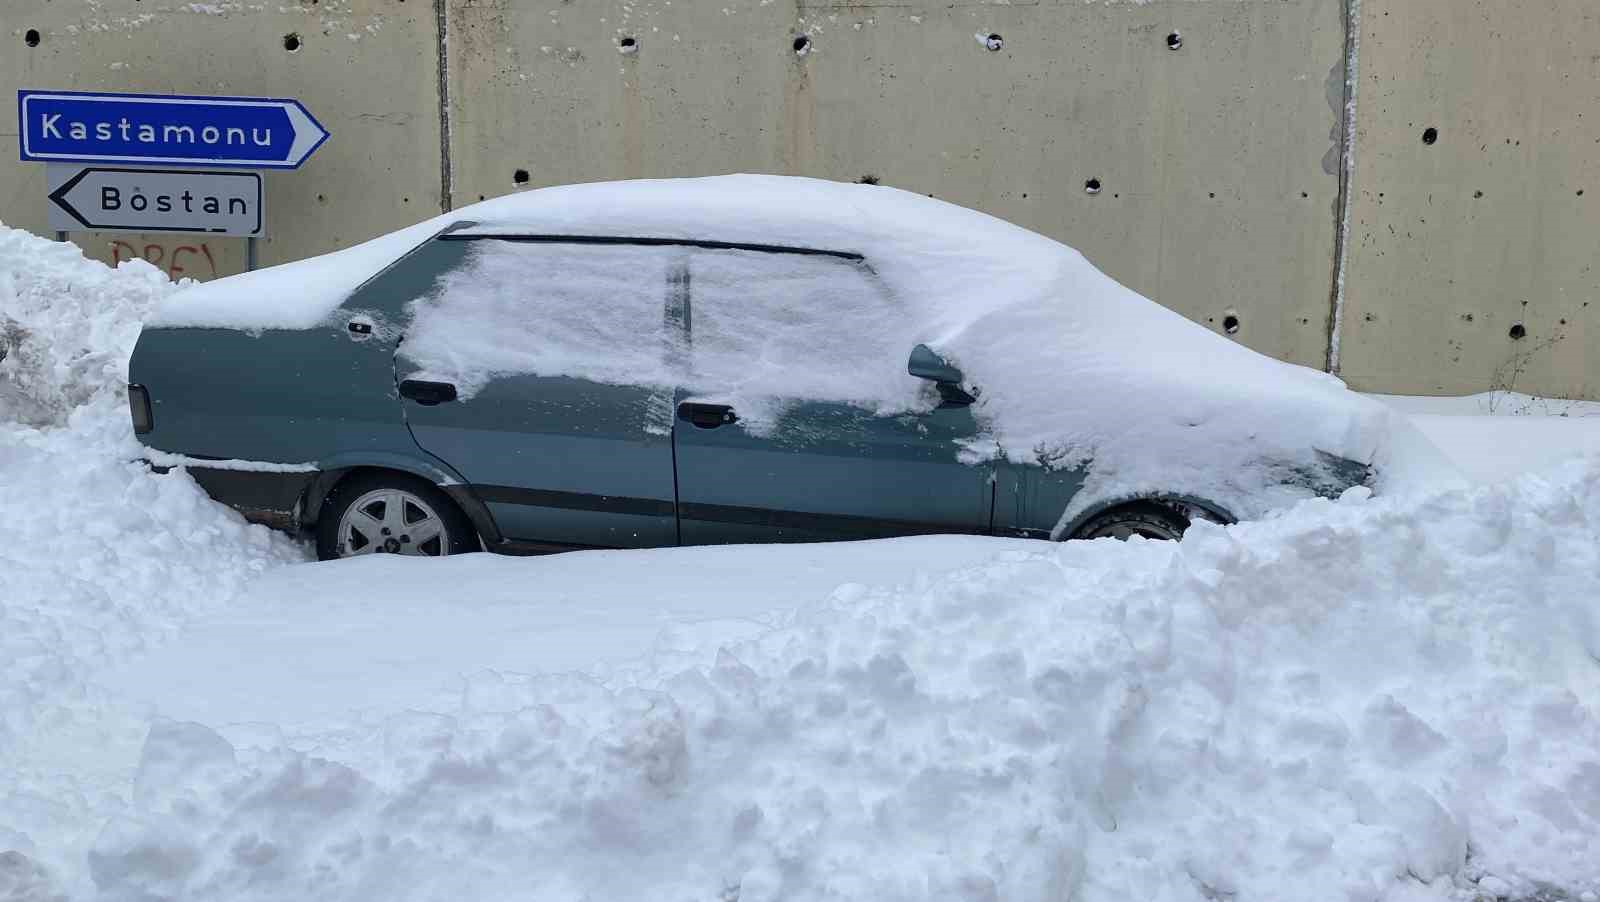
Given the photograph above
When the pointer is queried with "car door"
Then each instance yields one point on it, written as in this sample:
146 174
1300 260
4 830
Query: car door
776 433
537 369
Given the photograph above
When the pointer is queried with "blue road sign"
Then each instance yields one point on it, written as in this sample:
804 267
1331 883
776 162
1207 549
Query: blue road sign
247 132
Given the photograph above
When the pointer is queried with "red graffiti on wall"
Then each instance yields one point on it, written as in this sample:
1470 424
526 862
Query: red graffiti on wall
192 260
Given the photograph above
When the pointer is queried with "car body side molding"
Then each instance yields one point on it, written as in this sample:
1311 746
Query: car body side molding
583 501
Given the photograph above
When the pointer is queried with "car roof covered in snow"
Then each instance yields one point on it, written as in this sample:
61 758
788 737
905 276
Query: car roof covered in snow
746 209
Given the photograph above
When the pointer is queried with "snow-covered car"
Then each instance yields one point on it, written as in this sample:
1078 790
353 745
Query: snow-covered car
734 359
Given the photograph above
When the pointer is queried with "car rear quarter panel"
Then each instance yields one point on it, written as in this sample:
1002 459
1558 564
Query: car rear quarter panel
279 396
289 396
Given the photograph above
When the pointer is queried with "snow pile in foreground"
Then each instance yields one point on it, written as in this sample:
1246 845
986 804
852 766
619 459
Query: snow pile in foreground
1364 699
67 324
99 558
1073 368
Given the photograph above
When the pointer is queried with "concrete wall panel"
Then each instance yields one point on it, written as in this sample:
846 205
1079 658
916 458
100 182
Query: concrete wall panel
367 69
1217 161
1492 225
1217 194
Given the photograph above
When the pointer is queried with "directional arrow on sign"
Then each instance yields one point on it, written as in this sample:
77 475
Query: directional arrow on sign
246 132
107 198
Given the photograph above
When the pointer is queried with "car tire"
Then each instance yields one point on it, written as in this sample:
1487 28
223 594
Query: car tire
378 513
1141 518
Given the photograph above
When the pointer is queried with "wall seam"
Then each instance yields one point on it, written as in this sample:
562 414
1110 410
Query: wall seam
446 170
1347 144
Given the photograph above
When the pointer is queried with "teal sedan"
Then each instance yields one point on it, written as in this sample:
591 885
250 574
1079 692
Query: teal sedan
524 389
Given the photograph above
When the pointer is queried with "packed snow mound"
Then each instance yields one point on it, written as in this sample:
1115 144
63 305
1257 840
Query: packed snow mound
1073 368
67 324
100 559
1364 699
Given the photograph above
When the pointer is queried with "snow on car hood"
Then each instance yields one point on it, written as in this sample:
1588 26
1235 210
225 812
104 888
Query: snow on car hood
1072 367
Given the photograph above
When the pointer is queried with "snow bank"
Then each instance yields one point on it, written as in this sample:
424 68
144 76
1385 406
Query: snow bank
1371 699
1073 368
99 559
1497 436
602 612
67 324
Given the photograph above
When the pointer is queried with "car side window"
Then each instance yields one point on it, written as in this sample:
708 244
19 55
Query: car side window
589 311
798 326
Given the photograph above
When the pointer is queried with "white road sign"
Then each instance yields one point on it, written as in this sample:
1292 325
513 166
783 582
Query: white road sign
117 199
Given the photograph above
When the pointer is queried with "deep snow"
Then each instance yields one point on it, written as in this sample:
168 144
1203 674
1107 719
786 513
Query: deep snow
1377 698
1498 435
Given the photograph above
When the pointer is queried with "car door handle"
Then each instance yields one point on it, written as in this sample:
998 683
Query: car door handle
707 416
427 393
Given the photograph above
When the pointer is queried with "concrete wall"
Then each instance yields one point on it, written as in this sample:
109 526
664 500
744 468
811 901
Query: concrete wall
1493 225
1218 161
366 68
1214 197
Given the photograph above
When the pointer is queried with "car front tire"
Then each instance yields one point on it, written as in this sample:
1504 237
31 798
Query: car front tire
391 513
1146 519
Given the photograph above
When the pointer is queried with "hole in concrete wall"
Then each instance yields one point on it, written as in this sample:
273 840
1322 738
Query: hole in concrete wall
1477 194
1092 186
1467 317
520 177
1580 192
1303 194
1174 41
802 45
628 45
1230 324
1430 135
993 41
1211 194
868 179
31 37
1518 332
291 42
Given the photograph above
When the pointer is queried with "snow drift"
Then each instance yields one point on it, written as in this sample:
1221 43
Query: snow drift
67 324
1372 699
1073 368
99 558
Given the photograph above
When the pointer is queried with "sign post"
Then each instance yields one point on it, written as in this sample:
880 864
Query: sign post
141 160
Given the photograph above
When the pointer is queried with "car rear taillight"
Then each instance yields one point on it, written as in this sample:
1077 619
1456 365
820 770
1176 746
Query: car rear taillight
139 409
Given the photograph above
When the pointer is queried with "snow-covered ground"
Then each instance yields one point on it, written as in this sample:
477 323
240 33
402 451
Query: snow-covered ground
1499 435
1393 697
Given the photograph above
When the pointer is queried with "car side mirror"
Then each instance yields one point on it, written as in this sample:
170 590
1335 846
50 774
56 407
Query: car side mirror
925 364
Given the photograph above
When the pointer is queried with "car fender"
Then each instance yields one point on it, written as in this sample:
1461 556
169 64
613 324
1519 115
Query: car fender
419 464
1190 506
